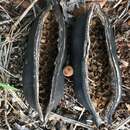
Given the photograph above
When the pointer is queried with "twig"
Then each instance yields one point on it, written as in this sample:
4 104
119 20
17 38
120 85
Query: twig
23 15
123 14
30 123
6 71
11 106
6 120
19 101
117 3
7 54
124 86
5 22
34 11
74 100
68 120
122 123
83 110
6 12
20 4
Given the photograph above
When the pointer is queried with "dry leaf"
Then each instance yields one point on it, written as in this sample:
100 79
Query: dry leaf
128 22
125 63
128 107
102 3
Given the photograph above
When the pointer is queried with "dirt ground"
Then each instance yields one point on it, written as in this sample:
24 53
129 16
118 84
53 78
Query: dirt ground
15 112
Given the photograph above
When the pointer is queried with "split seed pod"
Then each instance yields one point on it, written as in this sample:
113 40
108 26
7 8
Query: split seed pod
45 56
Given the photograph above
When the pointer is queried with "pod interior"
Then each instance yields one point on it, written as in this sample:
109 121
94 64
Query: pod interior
48 53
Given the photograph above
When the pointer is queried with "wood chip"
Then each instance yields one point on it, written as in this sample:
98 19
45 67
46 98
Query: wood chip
125 63
102 3
128 107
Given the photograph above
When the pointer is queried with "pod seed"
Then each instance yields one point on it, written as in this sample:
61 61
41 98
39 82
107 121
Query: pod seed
68 71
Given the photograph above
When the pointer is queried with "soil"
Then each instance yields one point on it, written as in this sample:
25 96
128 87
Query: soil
99 70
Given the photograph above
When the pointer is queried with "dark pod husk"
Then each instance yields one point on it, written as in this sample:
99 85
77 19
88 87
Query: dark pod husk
111 49
31 67
57 90
78 57
36 61
80 46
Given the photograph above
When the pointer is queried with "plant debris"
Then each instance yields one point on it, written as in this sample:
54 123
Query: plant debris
70 114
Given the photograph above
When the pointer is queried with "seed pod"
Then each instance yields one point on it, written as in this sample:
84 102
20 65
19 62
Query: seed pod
78 54
43 74
111 49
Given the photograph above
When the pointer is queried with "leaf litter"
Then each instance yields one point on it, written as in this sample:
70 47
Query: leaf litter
14 110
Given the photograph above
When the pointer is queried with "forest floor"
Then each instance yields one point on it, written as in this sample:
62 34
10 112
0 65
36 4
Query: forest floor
16 17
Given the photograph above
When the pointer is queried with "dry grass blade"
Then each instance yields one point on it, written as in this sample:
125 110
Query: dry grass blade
23 15
6 120
5 22
82 112
117 3
6 71
121 125
4 10
19 101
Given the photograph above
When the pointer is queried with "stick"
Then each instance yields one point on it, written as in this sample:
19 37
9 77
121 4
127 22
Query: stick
68 120
23 15
79 118
5 22
117 3
7 72
122 123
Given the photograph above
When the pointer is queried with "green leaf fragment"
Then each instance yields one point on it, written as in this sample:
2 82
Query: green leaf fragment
7 86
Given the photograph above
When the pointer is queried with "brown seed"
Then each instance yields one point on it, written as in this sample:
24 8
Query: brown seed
68 71
128 22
